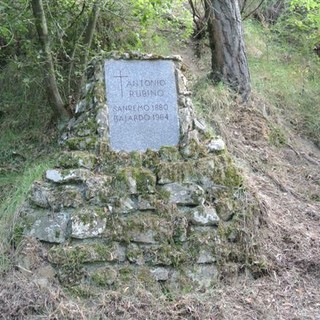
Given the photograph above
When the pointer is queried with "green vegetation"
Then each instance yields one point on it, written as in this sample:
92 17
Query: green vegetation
28 142
281 76
285 93
286 78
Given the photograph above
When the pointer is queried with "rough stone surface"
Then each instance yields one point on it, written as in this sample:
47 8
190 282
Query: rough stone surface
204 275
204 216
188 194
77 159
88 223
44 195
160 274
216 145
66 176
97 189
200 125
198 171
206 256
53 229
135 181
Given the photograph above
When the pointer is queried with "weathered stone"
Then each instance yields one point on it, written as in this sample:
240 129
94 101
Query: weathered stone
164 254
149 107
39 194
205 256
200 125
225 173
98 189
200 235
146 236
67 176
216 145
87 253
146 202
169 154
47 196
66 197
135 180
124 205
185 120
204 275
204 216
81 143
77 159
141 227
135 254
160 274
191 147
182 82
102 121
88 223
180 232
188 194
52 228
198 171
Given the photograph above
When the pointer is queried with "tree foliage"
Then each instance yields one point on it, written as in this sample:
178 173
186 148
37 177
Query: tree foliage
122 25
306 18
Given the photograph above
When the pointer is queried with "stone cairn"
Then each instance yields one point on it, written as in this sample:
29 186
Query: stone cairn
164 218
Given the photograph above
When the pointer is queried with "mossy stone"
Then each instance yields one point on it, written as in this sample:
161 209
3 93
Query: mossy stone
170 154
77 159
135 181
105 276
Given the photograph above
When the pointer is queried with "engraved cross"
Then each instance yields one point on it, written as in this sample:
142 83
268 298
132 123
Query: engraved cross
120 76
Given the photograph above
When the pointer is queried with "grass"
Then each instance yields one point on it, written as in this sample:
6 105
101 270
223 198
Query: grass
286 78
14 198
28 142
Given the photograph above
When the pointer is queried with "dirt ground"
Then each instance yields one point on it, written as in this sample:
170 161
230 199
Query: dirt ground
284 175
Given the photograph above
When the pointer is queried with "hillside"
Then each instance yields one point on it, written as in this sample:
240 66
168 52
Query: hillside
273 140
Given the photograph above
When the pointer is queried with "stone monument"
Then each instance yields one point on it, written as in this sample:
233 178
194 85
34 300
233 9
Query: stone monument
143 189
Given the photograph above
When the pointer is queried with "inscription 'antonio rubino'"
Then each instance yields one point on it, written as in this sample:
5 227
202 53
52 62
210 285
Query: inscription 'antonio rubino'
142 101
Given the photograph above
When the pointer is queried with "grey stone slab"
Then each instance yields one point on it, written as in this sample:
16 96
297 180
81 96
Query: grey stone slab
53 229
143 104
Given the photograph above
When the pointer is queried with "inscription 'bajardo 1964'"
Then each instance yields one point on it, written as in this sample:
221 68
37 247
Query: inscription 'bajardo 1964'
142 101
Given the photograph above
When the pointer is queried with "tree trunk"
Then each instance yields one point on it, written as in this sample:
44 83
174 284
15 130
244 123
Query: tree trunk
229 61
87 41
53 94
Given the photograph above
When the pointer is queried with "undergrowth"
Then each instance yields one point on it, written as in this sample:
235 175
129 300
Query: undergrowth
286 78
28 141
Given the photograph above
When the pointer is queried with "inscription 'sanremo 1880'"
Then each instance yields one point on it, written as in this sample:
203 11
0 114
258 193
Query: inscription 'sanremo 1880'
142 102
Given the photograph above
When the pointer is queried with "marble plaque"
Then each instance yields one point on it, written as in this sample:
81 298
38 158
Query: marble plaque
142 102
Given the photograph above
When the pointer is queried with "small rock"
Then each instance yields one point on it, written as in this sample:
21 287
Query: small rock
186 194
67 176
185 120
204 275
53 229
87 223
216 145
204 216
199 125
205 257
160 274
